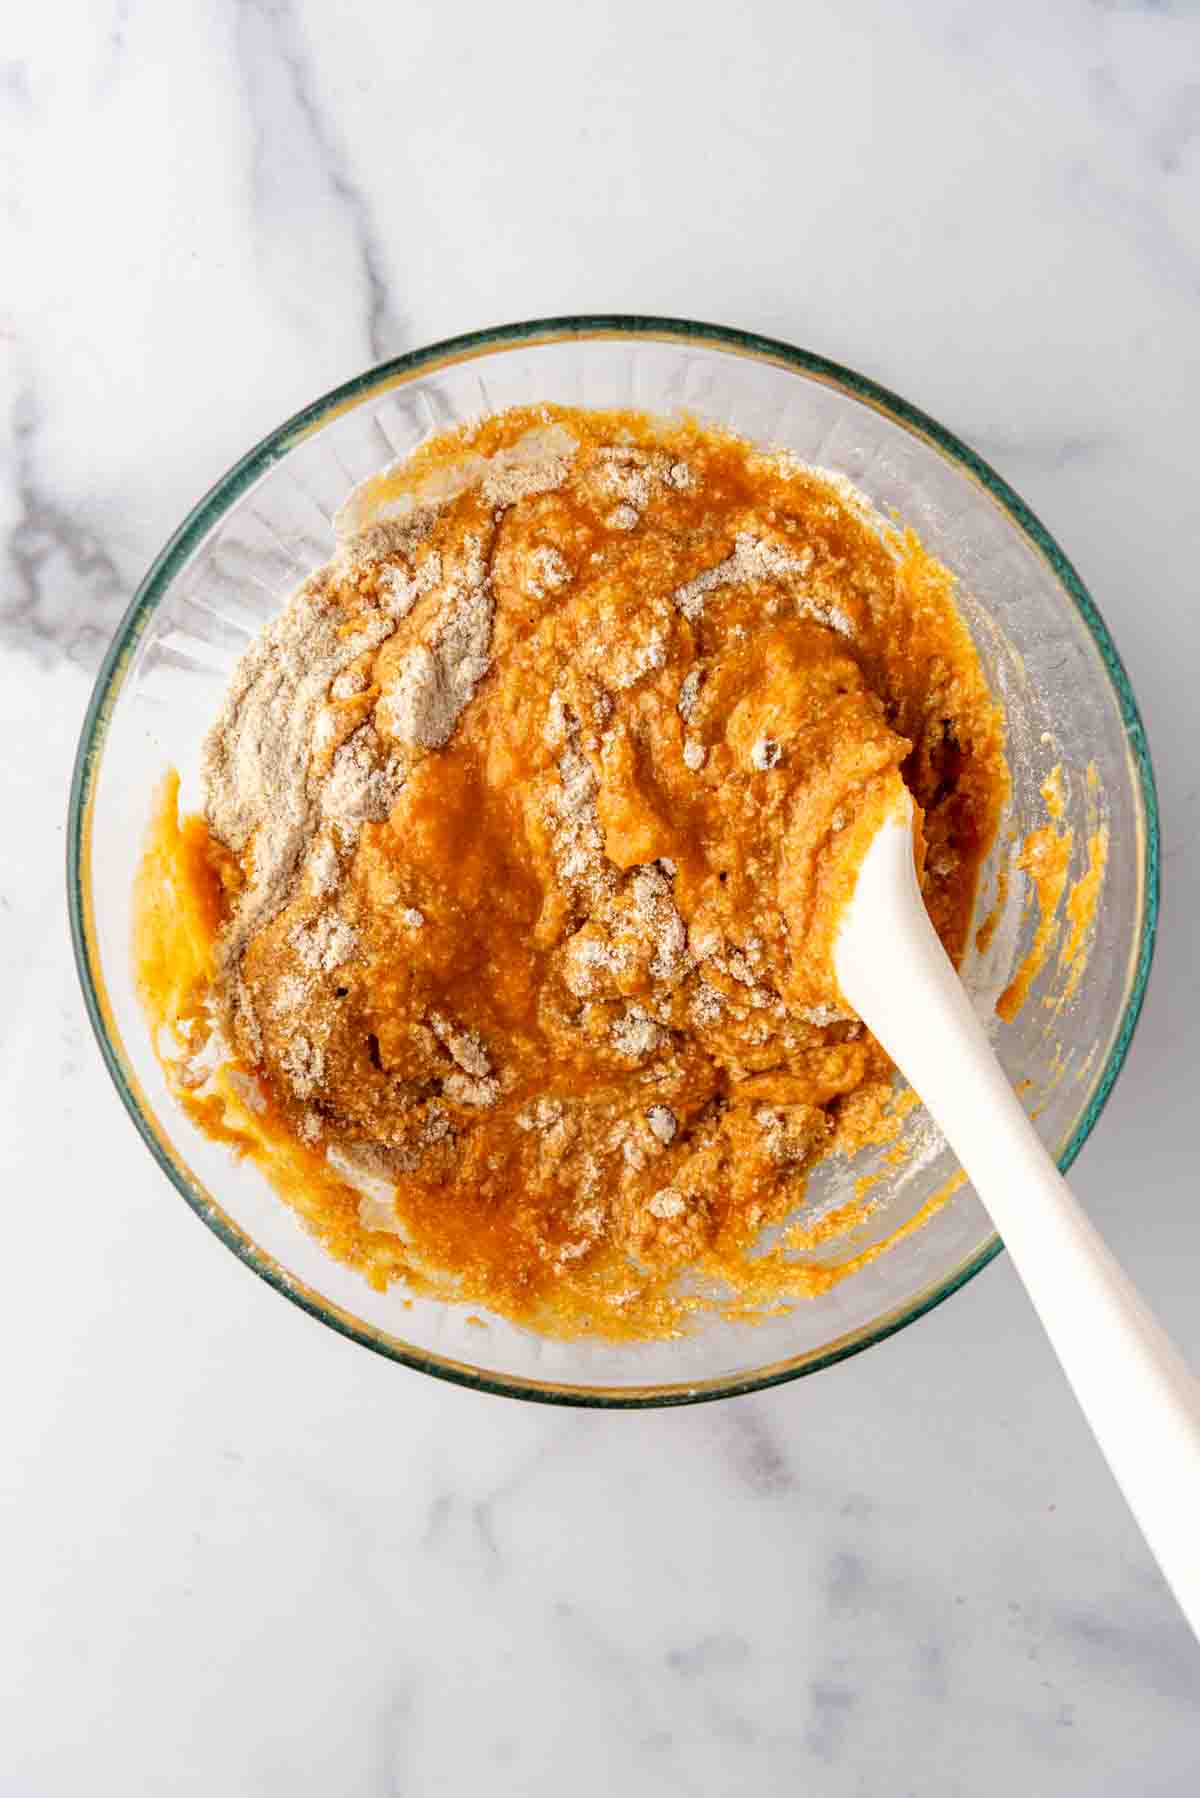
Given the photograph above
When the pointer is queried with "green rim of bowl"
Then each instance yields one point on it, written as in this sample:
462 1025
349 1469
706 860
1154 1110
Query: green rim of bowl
217 502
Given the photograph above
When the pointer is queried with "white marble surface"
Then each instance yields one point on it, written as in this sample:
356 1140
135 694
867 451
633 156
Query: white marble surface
241 1556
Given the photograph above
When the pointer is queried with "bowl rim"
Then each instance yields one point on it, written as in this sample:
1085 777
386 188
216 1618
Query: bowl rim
219 499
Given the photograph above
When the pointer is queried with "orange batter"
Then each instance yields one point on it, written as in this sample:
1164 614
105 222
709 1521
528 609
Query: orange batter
504 943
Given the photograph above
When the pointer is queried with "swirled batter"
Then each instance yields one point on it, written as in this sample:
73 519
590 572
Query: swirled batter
504 940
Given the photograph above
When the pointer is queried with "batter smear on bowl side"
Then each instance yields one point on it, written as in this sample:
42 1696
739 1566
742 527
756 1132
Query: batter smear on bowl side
503 942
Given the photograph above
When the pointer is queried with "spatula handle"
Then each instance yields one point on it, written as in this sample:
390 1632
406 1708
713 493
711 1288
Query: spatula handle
1138 1394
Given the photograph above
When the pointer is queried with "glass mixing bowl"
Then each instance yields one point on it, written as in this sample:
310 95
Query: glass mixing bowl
1047 653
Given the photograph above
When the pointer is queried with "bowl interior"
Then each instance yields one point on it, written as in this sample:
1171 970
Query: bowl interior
1046 653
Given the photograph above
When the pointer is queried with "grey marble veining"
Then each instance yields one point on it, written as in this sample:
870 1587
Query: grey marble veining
66 594
294 151
240 1555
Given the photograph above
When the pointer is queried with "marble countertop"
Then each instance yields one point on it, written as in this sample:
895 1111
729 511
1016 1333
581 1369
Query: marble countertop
242 1556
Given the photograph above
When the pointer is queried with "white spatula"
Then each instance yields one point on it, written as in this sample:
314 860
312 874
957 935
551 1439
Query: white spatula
1138 1395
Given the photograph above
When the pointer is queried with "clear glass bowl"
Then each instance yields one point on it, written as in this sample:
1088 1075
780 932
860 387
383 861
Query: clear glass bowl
1046 650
